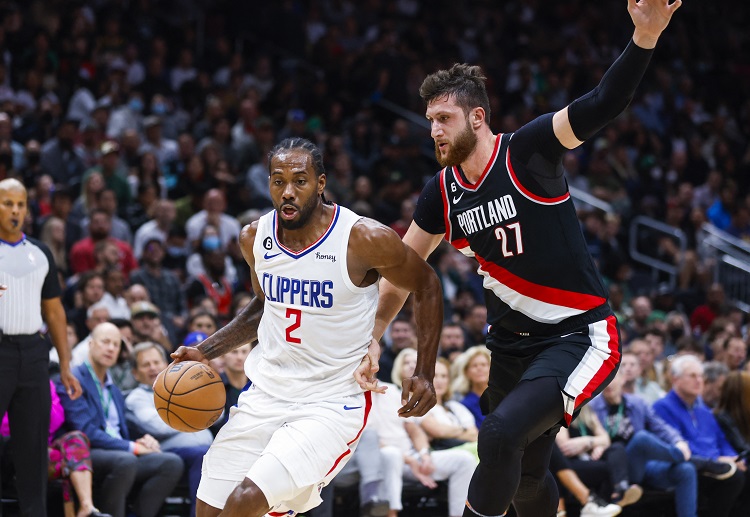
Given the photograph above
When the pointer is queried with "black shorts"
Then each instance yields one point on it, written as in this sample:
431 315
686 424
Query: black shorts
584 363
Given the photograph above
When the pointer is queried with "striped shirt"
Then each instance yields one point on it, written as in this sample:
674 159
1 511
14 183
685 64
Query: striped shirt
29 271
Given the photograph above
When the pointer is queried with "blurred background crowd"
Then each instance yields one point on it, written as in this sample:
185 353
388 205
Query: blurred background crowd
141 130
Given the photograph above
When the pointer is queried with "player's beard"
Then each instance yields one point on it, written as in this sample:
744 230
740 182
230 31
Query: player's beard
304 213
460 148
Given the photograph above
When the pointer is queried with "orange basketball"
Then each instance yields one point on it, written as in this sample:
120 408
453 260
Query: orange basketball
189 396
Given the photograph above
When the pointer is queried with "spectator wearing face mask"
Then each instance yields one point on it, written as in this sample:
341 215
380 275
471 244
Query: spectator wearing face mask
212 282
173 121
128 116
209 241
213 213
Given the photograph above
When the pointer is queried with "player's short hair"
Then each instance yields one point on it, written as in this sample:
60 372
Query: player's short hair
464 82
303 144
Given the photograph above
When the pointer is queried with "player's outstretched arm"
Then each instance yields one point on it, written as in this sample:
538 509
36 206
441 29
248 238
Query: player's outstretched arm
375 246
588 114
244 327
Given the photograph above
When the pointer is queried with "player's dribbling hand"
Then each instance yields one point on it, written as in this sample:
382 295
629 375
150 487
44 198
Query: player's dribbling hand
368 367
188 353
421 396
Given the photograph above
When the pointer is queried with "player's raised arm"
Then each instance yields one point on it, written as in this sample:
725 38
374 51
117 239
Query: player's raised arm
588 114
376 247
244 327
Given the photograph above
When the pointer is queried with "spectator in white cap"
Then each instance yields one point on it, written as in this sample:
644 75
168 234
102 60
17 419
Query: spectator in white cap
147 325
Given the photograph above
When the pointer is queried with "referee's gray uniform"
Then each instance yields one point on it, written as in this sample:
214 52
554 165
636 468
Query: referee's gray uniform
29 271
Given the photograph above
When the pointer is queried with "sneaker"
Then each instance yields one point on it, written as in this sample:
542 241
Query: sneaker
713 469
374 509
631 495
598 507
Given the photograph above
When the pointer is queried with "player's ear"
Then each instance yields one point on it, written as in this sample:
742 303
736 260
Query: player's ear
476 118
321 183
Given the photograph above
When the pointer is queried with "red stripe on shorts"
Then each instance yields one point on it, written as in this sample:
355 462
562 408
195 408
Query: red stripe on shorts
368 407
607 366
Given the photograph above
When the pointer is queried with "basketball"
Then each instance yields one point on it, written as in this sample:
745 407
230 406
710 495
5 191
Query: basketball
189 396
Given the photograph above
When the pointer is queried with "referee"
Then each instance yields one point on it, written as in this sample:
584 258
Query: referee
29 292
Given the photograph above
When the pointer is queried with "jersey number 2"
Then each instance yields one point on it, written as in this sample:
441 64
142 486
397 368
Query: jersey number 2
503 238
296 315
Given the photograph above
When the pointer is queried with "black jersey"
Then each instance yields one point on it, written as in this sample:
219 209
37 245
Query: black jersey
539 277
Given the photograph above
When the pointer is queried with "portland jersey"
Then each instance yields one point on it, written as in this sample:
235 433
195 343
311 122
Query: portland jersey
316 324
538 275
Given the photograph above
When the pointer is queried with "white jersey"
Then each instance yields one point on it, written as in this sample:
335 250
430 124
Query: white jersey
316 324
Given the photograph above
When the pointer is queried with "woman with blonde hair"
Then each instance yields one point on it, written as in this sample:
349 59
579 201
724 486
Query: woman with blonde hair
405 447
405 356
53 235
90 189
471 373
449 423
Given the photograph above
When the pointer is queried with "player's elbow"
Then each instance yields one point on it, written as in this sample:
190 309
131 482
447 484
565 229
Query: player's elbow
431 283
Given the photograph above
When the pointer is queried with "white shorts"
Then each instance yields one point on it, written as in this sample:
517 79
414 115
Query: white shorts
312 441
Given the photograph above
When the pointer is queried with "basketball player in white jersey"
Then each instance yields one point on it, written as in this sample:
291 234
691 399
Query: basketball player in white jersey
315 268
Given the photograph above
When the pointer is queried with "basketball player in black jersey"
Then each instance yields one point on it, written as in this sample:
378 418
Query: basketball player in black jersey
503 199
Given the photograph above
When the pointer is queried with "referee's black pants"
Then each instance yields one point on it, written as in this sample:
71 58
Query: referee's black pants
25 395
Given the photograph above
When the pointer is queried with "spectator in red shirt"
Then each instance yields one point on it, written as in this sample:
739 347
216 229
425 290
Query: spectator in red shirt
703 315
82 256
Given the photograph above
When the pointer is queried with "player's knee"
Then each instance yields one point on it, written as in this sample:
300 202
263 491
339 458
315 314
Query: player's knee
497 441
529 487
247 499
203 509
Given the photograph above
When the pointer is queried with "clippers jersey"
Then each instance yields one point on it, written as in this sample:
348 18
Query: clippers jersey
316 324
538 275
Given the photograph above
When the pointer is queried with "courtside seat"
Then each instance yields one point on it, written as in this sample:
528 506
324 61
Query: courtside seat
418 500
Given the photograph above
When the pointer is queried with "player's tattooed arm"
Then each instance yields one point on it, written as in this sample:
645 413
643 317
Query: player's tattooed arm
241 330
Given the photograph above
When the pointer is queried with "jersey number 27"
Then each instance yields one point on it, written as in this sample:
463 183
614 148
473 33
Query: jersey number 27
502 236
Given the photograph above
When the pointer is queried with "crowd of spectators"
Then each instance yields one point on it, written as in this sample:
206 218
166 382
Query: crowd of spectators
141 130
